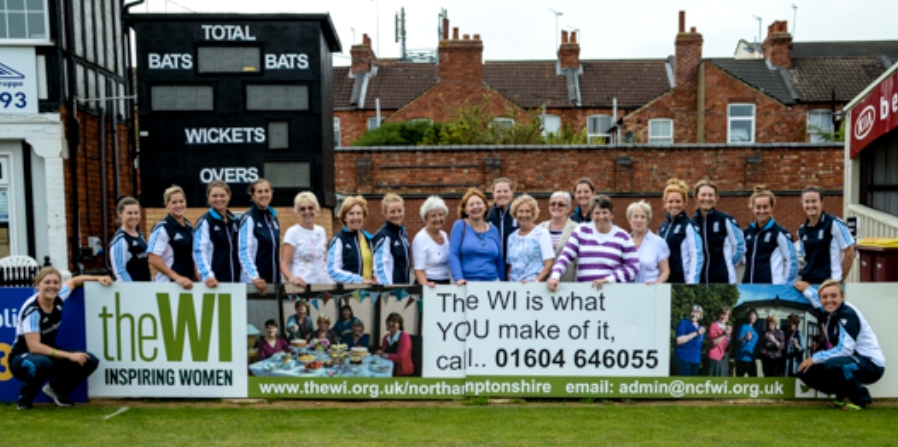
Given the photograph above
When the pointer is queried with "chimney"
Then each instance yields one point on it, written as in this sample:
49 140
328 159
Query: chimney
461 60
363 57
569 51
778 45
688 56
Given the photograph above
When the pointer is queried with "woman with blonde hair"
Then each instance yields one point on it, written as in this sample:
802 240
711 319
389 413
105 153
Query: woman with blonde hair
530 254
350 254
391 247
170 250
770 256
653 252
304 252
681 234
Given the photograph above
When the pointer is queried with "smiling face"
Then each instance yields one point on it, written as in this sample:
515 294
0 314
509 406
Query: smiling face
752 318
355 218
695 315
346 314
262 194
393 325
674 203
707 198
358 330
524 215
271 330
323 324
502 194
831 298
558 208
475 207
602 218
723 317
307 212
762 209
582 193
639 222
301 312
130 216
395 212
436 220
176 205
812 204
49 286
219 199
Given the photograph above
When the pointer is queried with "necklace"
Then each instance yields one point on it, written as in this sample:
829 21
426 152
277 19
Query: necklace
481 236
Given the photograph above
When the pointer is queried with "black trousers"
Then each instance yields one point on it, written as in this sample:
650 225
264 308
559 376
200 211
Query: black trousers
844 377
743 368
35 369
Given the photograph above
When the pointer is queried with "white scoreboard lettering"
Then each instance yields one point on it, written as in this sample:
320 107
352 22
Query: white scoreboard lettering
227 32
287 61
170 61
229 175
224 135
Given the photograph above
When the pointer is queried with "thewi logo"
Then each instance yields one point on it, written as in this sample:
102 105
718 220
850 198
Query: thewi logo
864 123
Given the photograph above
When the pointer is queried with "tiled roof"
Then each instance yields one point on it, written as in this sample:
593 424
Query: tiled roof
529 84
395 84
845 49
634 83
815 78
757 74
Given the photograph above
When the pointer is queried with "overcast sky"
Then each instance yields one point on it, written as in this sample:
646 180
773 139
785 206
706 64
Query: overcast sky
525 29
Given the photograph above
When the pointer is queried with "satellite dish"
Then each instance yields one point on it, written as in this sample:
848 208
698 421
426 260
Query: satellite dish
629 136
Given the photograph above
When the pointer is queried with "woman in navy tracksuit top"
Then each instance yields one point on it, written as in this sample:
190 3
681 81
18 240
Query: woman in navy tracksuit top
170 250
128 249
391 247
215 239
350 255
583 191
721 237
681 234
770 256
260 238
826 244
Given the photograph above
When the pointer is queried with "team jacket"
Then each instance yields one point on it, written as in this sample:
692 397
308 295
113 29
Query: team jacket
822 246
344 256
215 248
770 256
128 257
259 244
848 332
33 319
686 251
724 246
391 255
505 223
174 244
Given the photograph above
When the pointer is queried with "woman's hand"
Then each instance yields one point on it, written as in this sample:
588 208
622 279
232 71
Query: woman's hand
78 357
552 284
748 336
260 284
211 282
598 283
369 281
184 282
729 331
805 365
461 282
801 286
430 284
297 281
701 330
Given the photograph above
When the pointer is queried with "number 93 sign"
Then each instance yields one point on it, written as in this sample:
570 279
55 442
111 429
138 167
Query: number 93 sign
18 81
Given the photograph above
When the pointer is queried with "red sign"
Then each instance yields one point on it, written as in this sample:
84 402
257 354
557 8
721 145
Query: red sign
876 115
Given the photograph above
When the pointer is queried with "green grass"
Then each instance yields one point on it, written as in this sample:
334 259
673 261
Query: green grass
568 423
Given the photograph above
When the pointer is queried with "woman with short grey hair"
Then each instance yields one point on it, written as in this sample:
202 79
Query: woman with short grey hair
560 228
430 248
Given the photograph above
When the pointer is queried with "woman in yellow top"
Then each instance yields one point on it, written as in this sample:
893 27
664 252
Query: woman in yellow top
350 256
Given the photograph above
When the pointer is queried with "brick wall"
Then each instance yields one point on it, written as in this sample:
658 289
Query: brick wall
418 172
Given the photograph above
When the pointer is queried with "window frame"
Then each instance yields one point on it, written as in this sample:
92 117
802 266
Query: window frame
7 41
653 140
378 122
811 133
543 118
594 133
337 133
501 122
752 120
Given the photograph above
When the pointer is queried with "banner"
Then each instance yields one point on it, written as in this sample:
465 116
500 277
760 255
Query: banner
159 340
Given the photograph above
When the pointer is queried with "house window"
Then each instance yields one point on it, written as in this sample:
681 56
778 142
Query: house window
374 122
420 120
598 129
551 124
661 131
23 19
820 125
337 132
502 123
741 123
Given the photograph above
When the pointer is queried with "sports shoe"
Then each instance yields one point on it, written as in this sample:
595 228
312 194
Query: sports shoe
23 405
62 401
852 407
837 404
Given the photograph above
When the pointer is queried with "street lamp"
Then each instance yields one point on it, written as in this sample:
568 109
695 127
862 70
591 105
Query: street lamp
557 15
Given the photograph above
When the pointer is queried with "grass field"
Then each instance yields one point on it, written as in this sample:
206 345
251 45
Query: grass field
416 424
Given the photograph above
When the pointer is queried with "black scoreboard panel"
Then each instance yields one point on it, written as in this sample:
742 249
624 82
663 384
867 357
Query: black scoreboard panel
235 97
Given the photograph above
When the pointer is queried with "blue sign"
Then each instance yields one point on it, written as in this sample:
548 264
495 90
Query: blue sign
71 337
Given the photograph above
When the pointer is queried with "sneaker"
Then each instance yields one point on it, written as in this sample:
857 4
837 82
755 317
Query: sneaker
23 405
62 401
852 407
837 404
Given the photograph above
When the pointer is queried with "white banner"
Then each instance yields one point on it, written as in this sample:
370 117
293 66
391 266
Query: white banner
18 81
158 340
510 329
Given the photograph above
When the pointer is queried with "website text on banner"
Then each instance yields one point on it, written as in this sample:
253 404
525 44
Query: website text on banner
509 329
158 340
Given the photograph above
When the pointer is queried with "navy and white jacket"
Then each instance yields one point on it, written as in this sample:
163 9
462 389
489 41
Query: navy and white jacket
215 248
505 223
686 251
822 247
848 332
391 255
344 256
33 319
578 217
128 257
259 243
770 256
724 246
173 243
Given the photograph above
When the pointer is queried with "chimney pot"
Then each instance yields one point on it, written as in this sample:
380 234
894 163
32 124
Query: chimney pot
573 37
682 21
564 37
366 40
455 33
466 37
477 37
692 30
445 28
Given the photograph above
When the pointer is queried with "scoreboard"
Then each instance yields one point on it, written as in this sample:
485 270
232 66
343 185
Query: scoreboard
235 97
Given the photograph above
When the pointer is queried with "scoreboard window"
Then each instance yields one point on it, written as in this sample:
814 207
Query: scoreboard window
278 135
288 174
181 97
228 59
277 97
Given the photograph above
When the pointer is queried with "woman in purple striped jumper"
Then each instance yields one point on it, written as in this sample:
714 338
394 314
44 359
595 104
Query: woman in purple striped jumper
603 252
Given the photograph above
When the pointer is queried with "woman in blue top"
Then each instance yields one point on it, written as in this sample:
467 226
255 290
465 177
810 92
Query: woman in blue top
215 239
299 325
530 253
170 250
260 237
357 338
128 249
690 334
770 256
343 325
681 234
747 340
721 237
475 249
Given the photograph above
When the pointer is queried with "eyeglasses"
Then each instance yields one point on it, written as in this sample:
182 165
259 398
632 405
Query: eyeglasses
306 208
558 204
